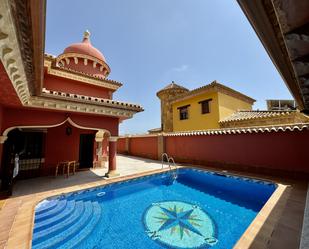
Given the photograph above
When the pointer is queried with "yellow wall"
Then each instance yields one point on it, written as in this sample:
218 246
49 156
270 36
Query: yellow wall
221 106
229 105
197 120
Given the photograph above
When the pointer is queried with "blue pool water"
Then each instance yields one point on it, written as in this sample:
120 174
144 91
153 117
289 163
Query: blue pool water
200 209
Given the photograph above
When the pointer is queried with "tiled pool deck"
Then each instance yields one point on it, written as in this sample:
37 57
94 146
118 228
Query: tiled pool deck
278 225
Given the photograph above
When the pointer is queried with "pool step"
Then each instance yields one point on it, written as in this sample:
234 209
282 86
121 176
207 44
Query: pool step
46 206
61 205
50 221
47 232
71 230
86 231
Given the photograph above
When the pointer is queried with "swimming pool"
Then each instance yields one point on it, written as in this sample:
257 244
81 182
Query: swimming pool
201 209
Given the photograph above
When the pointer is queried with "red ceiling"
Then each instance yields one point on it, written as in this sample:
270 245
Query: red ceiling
8 95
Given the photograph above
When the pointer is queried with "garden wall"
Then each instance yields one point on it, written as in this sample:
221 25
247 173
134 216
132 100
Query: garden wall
281 152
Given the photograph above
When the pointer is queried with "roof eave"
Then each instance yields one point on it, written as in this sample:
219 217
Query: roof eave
275 45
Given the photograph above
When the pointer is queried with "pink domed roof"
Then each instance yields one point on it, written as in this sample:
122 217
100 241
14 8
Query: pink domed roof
85 48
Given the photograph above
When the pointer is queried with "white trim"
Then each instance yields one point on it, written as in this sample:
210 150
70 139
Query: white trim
113 139
94 100
69 120
82 78
57 104
3 139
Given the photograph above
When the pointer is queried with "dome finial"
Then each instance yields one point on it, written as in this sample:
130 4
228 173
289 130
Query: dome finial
86 35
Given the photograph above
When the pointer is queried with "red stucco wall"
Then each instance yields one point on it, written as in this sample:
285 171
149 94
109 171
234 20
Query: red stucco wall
1 145
270 153
35 117
1 117
55 83
280 151
60 147
144 147
121 146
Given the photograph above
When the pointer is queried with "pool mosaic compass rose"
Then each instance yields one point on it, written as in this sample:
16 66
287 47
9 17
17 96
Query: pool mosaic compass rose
178 224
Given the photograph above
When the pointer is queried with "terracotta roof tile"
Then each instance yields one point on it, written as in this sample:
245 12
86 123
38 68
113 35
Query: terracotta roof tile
216 86
173 85
257 129
246 115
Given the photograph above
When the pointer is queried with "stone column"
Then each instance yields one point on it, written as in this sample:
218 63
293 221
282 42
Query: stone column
161 146
112 157
105 148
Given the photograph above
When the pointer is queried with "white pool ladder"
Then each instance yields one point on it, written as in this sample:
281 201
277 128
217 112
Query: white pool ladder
171 164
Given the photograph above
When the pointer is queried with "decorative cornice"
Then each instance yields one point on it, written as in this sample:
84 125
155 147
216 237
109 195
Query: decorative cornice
268 19
79 76
91 100
10 52
84 57
65 105
21 12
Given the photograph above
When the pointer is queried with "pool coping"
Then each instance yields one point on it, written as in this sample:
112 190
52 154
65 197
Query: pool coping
20 235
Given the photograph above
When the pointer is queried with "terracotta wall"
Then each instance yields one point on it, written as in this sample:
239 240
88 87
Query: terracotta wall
121 146
270 153
1 116
144 147
61 147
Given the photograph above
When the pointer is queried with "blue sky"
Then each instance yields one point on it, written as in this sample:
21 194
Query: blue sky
148 44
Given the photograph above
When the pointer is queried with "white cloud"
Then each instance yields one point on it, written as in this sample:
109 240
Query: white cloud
181 68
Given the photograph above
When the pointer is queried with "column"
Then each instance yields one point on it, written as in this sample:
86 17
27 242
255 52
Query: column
112 157
98 153
161 146
105 149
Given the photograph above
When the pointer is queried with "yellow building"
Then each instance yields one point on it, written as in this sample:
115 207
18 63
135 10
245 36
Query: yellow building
199 109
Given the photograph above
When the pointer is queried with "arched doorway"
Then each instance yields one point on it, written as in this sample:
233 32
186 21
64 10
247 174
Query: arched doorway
32 144
23 155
